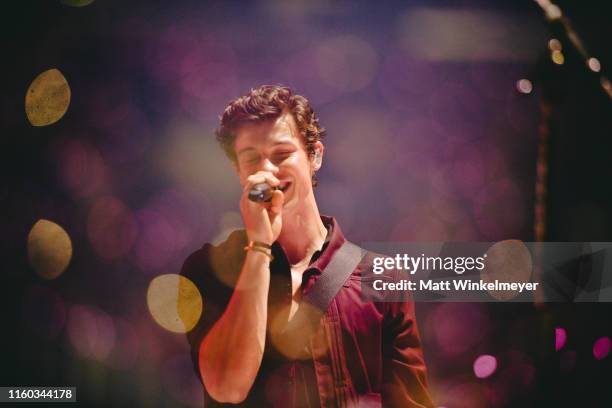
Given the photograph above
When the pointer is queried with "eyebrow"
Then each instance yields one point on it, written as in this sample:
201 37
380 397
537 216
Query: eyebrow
284 140
246 149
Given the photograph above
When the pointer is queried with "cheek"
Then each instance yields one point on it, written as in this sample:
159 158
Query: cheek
300 165
242 176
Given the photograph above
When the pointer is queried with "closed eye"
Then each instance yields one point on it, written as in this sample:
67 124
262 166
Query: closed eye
251 160
280 156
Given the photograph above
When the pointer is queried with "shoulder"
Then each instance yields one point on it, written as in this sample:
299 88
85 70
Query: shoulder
364 269
222 258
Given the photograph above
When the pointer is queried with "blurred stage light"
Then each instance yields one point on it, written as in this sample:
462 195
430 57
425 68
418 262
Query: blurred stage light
466 395
187 212
81 167
553 12
91 332
560 338
111 228
448 322
193 159
467 34
174 302
594 64
555 45
346 63
557 57
524 86
127 346
229 222
606 85
156 243
507 261
49 249
485 366
601 348
47 98
283 342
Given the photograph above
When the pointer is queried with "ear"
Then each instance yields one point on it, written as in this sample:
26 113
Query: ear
316 158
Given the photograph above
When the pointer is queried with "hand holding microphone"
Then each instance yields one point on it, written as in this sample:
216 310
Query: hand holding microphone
261 192
261 206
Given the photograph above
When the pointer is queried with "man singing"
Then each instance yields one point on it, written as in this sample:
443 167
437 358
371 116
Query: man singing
360 353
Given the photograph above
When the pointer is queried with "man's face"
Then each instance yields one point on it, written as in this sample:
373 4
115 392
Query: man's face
276 146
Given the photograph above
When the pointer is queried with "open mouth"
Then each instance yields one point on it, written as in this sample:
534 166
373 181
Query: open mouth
284 186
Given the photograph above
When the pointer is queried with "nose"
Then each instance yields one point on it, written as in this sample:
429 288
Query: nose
267 165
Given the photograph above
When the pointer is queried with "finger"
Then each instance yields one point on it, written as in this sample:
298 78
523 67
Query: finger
276 203
261 177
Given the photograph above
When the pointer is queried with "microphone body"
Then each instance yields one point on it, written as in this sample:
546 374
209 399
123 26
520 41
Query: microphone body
261 192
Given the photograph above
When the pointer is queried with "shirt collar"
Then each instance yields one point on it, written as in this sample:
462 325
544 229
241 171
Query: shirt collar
321 258
333 242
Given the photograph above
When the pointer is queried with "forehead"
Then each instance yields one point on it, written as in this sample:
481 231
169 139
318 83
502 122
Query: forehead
280 130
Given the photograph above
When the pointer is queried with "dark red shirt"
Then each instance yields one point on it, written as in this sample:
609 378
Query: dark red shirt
363 354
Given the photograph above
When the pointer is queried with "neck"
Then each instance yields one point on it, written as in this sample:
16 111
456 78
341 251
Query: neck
303 233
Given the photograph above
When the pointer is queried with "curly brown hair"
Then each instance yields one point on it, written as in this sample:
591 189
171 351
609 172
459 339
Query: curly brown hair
266 103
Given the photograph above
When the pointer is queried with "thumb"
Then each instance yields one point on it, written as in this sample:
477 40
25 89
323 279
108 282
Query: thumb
276 203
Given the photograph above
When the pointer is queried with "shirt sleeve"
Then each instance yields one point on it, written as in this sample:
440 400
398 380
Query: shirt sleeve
404 371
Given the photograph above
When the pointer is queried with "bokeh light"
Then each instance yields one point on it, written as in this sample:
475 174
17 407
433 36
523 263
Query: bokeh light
347 63
49 249
448 324
187 211
465 395
174 302
524 86
560 338
127 133
111 228
459 35
485 366
557 57
601 348
358 156
81 168
192 158
285 342
507 261
553 11
594 64
91 332
555 45
229 222
127 348
47 98
157 241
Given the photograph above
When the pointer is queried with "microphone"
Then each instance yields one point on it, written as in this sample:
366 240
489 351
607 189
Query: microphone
261 192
